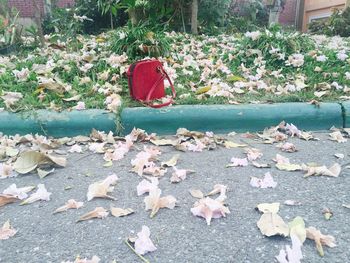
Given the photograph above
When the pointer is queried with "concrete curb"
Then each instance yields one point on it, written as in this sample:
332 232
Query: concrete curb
57 124
216 118
346 113
227 118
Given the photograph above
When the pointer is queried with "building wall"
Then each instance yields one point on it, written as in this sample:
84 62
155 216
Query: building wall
318 9
26 8
65 3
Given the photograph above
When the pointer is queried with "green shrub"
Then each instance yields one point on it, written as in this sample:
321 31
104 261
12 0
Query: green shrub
337 24
140 41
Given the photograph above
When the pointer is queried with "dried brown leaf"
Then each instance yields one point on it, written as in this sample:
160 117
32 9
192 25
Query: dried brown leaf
7 199
119 212
98 212
196 193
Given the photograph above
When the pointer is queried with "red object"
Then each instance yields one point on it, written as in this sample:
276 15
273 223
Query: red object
146 82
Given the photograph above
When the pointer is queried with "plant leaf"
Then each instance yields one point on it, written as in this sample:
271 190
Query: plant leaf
119 212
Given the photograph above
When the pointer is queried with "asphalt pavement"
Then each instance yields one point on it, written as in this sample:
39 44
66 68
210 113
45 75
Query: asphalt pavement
178 235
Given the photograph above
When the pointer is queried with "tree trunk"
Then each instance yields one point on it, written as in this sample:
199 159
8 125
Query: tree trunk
275 13
111 17
37 18
194 17
133 16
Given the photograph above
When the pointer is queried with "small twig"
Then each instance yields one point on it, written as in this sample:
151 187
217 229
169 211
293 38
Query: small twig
137 254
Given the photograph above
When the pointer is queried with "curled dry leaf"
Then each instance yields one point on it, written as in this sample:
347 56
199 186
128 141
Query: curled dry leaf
154 202
291 254
337 136
6 231
21 193
30 160
40 194
320 239
288 167
101 188
172 162
266 182
209 208
179 175
283 164
230 144
74 98
196 193
271 224
163 142
119 212
333 171
307 136
71 204
98 212
7 199
143 243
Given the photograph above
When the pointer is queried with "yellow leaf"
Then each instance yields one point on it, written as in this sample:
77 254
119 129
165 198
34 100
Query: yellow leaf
172 162
288 167
297 227
100 40
230 144
234 78
271 224
202 90
163 142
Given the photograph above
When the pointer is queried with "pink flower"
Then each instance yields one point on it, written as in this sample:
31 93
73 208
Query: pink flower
239 162
80 106
143 243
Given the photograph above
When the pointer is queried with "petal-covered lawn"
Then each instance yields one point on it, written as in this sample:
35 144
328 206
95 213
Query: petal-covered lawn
256 67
